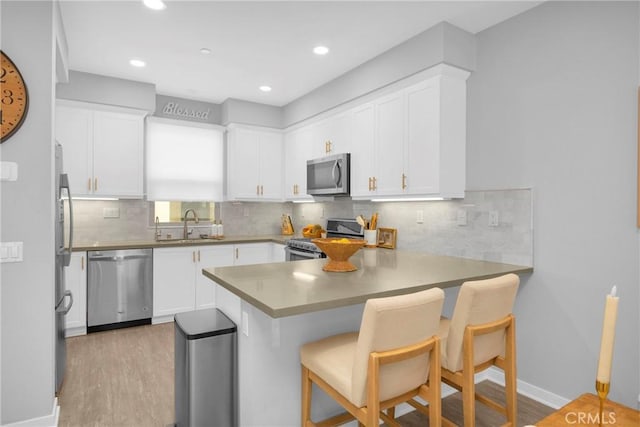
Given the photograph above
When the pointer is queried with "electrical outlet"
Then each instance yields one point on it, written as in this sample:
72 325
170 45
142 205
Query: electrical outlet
245 323
494 219
461 218
420 216
111 213
246 212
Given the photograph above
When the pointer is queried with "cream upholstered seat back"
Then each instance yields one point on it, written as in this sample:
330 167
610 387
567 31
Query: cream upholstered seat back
389 323
479 302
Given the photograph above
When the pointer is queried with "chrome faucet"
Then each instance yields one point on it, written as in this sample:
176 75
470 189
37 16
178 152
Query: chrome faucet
185 234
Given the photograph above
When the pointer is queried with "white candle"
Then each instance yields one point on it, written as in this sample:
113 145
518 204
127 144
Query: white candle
608 335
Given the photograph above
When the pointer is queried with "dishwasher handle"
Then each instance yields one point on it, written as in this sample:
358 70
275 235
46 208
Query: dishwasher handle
117 257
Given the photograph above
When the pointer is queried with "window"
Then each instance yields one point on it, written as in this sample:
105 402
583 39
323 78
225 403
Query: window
184 160
172 212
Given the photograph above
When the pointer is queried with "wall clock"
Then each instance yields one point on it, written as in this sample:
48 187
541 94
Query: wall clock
14 100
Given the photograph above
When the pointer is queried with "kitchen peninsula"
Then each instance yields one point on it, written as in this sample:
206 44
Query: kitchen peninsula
280 306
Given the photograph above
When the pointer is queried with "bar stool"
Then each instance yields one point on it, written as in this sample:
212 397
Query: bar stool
394 357
481 334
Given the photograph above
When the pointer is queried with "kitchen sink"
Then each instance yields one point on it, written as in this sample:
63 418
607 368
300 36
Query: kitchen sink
193 240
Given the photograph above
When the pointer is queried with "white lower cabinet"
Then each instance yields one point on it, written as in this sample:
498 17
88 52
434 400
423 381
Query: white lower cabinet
252 253
76 282
277 252
178 282
210 256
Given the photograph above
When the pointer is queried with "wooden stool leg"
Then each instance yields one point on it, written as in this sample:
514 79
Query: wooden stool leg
391 412
468 381
306 397
510 374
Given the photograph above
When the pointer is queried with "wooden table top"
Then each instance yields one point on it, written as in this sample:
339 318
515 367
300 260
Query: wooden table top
584 411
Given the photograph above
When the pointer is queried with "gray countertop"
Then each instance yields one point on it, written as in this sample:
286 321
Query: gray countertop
142 244
290 288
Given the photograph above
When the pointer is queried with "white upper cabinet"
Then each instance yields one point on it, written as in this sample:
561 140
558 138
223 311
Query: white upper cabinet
363 151
332 135
407 142
297 150
184 161
254 163
103 149
417 136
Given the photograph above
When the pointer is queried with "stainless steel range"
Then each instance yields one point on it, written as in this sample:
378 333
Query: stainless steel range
302 248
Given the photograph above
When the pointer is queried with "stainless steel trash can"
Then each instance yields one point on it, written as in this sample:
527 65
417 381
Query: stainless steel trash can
205 369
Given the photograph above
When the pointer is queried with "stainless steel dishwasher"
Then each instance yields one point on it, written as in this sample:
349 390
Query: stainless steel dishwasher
119 289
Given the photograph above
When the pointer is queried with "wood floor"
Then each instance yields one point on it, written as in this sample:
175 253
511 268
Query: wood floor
124 378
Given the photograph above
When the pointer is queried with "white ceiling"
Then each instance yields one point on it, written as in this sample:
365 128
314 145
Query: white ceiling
253 43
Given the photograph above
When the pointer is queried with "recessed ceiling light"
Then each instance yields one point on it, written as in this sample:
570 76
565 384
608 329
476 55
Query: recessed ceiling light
137 63
265 88
205 51
320 50
155 4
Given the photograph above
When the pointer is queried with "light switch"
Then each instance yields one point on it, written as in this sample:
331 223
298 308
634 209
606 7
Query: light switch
461 217
493 219
11 251
8 171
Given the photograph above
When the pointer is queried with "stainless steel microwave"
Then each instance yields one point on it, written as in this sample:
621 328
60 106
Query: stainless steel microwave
329 176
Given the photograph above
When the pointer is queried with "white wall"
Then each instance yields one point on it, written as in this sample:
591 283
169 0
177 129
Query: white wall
552 105
27 324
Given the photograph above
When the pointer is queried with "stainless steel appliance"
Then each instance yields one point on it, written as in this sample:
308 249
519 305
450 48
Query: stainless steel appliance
63 258
329 176
119 289
298 249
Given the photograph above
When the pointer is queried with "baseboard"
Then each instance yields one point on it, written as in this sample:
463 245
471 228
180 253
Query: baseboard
50 420
75 332
162 319
531 391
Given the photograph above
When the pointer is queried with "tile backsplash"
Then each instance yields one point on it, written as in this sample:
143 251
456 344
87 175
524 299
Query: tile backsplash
443 229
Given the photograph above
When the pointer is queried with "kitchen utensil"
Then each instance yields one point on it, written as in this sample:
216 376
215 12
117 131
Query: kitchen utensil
374 221
360 219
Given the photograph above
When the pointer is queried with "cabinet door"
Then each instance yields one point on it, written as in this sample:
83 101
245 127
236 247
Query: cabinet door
173 280
390 137
74 131
76 282
334 134
296 153
362 151
422 156
277 252
252 253
117 154
210 256
271 173
243 167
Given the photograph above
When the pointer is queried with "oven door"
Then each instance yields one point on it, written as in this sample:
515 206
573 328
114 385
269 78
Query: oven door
292 254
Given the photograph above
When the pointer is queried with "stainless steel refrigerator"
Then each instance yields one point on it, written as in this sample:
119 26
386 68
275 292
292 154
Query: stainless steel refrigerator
63 258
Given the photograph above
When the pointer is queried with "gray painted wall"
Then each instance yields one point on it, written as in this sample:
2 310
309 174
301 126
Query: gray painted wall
552 105
251 113
27 323
108 90
441 43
